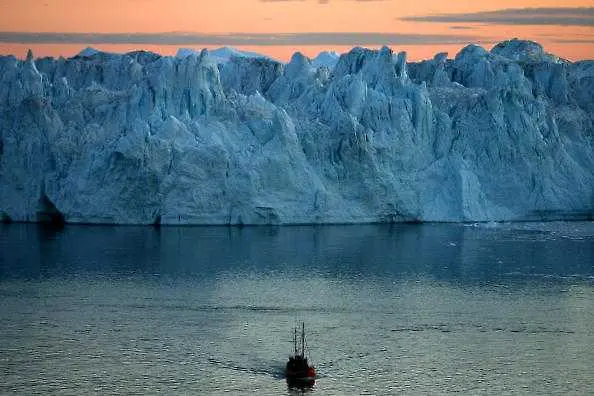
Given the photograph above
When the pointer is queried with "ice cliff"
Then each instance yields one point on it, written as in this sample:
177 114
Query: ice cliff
505 134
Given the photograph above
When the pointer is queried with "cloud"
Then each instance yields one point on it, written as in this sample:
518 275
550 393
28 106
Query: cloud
461 27
564 16
236 39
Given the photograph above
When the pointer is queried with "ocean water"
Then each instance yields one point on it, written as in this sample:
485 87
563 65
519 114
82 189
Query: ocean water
397 309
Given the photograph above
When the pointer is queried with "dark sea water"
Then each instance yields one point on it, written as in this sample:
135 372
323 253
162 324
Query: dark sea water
403 309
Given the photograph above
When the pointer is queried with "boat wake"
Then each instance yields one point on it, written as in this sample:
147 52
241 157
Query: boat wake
273 371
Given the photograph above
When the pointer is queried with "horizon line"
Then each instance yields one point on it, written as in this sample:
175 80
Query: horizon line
240 38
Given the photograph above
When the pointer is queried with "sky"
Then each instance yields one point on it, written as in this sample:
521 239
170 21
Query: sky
278 28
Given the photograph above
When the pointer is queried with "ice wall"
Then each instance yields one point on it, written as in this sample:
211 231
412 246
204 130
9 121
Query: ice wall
139 138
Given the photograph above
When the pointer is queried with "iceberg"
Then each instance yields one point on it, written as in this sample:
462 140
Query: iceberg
505 134
327 59
220 55
88 52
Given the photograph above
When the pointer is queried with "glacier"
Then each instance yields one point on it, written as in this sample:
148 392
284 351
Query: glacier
490 135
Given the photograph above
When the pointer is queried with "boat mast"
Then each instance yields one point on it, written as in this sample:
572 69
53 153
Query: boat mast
302 339
295 340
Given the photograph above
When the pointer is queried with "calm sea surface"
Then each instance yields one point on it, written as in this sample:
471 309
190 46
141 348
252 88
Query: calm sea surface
404 309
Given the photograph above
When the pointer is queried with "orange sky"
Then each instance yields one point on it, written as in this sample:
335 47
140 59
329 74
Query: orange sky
240 18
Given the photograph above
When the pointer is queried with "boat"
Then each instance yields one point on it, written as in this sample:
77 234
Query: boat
298 371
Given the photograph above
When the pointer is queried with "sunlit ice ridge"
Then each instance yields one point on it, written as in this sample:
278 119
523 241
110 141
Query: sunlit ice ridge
228 137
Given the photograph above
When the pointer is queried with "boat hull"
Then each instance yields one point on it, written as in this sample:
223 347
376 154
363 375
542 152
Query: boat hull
301 382
301 377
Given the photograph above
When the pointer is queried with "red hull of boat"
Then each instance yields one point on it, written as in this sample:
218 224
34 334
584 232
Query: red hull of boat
310 374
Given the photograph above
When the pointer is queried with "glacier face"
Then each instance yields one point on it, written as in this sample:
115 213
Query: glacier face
500 135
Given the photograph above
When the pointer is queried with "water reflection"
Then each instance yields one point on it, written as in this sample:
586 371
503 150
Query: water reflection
436 251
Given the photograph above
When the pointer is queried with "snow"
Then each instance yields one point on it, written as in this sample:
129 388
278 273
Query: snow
140 138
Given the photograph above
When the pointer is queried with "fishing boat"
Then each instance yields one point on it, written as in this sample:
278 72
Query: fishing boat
298 371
